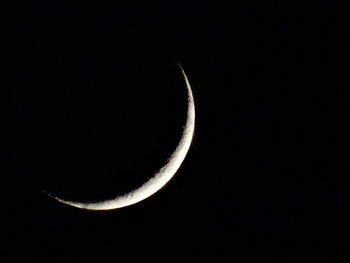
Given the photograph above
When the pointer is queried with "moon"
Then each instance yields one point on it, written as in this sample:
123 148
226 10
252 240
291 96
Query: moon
160 178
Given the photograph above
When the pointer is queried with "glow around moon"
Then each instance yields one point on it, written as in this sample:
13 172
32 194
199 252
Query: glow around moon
160 178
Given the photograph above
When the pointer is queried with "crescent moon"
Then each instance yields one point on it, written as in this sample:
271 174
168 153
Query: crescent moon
160 178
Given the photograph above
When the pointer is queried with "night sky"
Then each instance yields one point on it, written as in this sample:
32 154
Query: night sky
93 103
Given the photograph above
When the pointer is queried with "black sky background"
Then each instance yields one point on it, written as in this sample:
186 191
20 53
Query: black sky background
94 102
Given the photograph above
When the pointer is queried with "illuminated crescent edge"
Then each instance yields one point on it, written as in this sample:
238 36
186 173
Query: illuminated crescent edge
162 177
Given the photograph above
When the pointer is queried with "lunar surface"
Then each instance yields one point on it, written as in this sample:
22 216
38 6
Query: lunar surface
160 178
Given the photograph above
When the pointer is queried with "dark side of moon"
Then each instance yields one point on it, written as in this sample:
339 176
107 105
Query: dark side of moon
88 129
